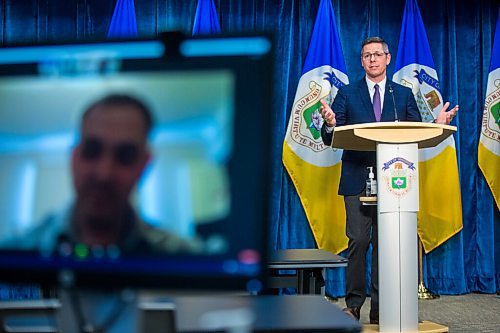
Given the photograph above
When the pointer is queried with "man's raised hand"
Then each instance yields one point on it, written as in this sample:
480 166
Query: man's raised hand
445 117
327 114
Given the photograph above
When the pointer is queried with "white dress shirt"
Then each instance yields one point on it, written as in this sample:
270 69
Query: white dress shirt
381 89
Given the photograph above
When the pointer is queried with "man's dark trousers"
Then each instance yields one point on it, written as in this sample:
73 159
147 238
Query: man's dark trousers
361 227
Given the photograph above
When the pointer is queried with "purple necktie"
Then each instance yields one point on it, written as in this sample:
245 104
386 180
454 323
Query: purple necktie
376 103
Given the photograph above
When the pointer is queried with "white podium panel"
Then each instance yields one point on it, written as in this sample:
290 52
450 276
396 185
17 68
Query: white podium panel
397 174
397 177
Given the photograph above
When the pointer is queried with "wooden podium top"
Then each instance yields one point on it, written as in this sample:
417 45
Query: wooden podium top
365 136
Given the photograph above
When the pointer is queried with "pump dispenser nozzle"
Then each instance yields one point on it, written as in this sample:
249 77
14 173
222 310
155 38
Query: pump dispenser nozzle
370 173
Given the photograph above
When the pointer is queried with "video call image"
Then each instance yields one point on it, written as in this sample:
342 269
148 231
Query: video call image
86 182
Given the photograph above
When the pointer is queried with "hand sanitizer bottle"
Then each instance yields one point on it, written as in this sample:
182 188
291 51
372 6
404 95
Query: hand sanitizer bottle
371 183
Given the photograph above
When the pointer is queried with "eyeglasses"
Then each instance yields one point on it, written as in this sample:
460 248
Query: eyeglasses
376 55
125 154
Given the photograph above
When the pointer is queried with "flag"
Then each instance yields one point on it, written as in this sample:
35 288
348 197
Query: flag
123 23
438 219
313 167
489 141
205 20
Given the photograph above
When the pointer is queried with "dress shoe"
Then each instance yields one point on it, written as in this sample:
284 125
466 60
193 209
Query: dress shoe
353 312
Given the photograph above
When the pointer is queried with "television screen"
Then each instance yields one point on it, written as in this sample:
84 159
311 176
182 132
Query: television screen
136 163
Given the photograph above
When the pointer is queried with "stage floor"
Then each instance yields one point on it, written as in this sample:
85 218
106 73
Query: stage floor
461 313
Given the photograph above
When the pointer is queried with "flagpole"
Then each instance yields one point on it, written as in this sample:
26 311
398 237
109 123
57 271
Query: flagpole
423 292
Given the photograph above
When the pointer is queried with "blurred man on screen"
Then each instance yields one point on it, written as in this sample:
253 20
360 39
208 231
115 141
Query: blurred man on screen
106 164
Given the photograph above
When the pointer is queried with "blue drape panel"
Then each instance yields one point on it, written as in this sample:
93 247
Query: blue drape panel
460 35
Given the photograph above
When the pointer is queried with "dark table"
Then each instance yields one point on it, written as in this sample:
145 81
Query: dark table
302 313
309 265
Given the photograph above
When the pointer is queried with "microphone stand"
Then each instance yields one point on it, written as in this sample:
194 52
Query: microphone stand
396 119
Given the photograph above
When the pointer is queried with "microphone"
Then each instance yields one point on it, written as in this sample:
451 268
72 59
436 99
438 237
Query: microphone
393 103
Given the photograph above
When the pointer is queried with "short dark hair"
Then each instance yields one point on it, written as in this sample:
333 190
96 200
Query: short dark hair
370 40
123 100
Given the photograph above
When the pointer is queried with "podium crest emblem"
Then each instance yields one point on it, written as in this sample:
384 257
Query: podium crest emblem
398 175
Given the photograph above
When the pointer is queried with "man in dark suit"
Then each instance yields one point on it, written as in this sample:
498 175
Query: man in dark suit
371 99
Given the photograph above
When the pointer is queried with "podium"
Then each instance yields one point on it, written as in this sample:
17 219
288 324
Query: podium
396 145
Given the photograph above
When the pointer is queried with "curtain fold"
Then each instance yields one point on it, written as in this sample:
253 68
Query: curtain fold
460 35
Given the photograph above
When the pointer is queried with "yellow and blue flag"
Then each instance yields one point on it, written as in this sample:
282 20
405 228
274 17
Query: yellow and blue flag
313 167
438 220
489 141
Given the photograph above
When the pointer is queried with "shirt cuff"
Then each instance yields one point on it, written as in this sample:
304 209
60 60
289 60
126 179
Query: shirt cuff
329 129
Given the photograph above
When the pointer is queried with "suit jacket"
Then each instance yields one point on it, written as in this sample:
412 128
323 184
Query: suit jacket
353 105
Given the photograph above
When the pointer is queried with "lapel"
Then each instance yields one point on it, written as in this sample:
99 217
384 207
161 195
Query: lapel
365 99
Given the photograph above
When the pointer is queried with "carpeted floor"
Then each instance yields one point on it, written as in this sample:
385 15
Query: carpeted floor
469 313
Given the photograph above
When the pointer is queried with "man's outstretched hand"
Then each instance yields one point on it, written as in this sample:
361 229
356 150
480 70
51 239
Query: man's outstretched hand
445 117
327 114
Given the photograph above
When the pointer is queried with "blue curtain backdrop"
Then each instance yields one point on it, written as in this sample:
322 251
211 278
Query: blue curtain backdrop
460 35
